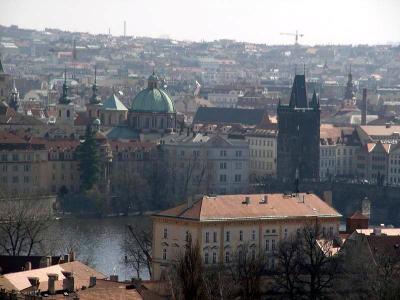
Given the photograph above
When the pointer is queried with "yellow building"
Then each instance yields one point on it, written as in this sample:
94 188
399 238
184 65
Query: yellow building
223 224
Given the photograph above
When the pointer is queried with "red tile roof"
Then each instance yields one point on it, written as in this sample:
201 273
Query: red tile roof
229 207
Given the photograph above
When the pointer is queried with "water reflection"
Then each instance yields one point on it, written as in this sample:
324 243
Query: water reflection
98 242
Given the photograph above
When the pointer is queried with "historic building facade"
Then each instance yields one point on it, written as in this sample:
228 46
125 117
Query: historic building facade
298 134
225 225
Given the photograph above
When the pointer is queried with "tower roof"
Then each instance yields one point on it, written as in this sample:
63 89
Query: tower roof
153 99
95 99
113 103
349 93
64 99
298 97
1 67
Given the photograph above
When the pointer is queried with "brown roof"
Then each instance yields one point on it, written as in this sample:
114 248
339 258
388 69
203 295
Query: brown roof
358 216
380 130
278 206
19 281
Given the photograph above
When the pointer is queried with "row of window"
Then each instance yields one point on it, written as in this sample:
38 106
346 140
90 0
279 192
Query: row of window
223 178
223 165
262 165
16 168
16 179
260 153
17 157
333 152
261 142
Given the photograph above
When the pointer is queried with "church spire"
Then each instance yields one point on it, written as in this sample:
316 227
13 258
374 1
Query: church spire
95 99
314 100
64 99
14 97
349 93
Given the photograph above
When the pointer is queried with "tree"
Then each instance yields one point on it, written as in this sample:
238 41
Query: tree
89 161
187 274
131 191
23 224
246 270
138 249
288 268
306 264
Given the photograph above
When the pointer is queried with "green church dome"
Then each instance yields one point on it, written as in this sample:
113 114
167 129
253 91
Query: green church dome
153 99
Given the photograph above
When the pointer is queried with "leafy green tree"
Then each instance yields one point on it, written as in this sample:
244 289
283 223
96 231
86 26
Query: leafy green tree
89 161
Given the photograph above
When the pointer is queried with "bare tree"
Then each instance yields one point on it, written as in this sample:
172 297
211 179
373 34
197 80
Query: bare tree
138 247
186 274
246 270
23 224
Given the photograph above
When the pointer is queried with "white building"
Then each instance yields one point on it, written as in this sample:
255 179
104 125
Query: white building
262 147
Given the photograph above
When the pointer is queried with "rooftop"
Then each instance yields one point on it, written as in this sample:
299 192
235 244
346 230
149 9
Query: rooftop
229 207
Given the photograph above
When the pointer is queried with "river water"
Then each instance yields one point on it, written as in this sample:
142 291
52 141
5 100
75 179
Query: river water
98 242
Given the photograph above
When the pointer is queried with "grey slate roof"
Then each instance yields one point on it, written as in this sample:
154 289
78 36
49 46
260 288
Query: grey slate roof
220 115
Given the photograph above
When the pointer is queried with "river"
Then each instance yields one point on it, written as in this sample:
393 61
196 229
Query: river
98 241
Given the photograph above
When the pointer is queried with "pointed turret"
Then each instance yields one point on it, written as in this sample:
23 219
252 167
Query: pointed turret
152 81
95 99
64 99
14 97
298 97
1 67
349 93
314 101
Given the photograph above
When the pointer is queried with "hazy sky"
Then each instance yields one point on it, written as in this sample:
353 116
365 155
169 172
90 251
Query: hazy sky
321 21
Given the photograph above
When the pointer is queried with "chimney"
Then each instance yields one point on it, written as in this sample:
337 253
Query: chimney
66 258
364 108
264 199
52 283
246 200
72 256
328 197
48 261
28 266
34 281
114 278
92 281
69 281
366 207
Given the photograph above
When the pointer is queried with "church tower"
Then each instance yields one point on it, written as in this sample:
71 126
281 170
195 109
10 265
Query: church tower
14 97
349 98
94 106
65 106
298 135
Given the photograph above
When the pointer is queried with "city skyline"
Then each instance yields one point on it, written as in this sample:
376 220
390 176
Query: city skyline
355 22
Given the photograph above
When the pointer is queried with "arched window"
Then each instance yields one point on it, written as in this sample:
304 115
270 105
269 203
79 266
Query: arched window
68 113
164 254
206 258
227 257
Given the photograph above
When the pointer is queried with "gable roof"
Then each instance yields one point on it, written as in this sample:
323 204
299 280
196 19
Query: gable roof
225 115
113 103
232 207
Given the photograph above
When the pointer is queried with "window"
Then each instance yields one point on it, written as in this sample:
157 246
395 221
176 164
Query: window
165 233
15 157
222 153
285 233
222 178
15 168
207 237
253 254
273 245
15 179
241 235
267 245
238 153
253 235
206 258
164 254
214 237
238 178
331 231
222 165
26 179
214 258
68 114
4 157
227 236
227 256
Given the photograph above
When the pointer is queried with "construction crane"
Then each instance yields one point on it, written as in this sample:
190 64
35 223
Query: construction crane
296 36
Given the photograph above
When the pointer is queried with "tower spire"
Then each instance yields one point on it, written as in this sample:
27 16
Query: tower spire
14 97
95 99
64 99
